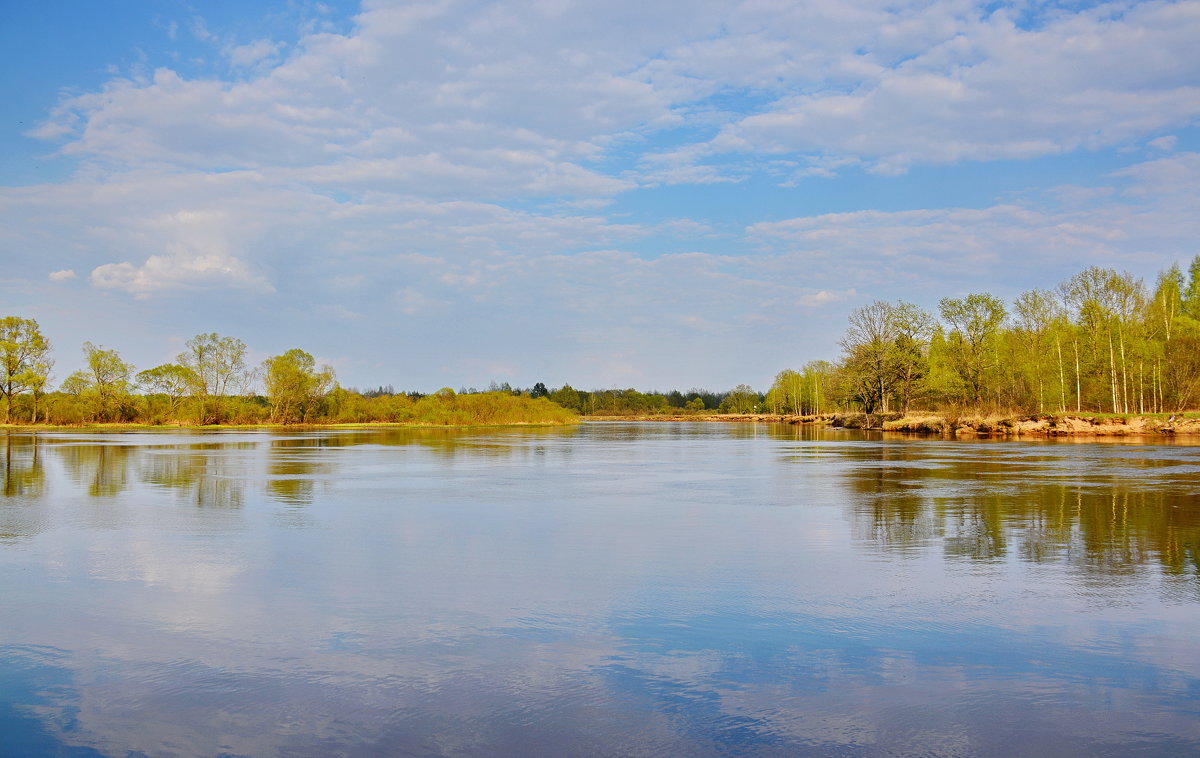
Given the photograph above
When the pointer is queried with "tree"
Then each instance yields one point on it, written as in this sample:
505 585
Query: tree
24 359
976 319
171 380
1165 309
296 386
219 366
869 343
105 383
912 329
741 399
568 397
539 390
1191 292
1036 311
1105 303
785 395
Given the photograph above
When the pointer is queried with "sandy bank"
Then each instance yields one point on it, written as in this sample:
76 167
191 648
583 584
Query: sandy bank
1039 425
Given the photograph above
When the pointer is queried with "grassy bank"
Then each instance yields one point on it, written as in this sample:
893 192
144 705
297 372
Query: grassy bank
441 409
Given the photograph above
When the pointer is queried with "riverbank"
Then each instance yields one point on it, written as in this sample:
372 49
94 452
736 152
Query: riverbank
266 427
1035 425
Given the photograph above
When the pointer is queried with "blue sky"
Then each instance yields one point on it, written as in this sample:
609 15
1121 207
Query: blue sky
657 195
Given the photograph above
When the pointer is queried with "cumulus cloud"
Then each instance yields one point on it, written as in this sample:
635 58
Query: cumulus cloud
161 274
62 275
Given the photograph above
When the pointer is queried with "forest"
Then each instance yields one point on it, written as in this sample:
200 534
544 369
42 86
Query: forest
1101 342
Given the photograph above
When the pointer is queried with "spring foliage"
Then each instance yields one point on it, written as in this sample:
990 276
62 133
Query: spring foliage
210 383
1100 342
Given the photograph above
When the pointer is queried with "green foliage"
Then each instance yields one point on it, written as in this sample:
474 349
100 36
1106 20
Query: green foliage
886 355
1099 342
479 409
166 387
24 361
1191 291
296 386
218 365
627 402
568 397
974 343
103 385
741 399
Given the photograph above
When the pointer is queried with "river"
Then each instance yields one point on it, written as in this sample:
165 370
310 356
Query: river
610 589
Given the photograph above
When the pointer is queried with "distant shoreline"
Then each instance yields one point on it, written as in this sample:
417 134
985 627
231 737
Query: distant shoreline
965 425
925 424
252 427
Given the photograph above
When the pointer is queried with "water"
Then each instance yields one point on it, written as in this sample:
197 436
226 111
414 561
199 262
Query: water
611 589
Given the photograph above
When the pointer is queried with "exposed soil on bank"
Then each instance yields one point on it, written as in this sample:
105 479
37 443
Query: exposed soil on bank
1039 425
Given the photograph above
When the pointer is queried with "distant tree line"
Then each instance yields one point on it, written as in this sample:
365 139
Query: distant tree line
631 402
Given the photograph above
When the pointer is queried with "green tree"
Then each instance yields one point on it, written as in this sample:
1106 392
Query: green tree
219 366
105 381
296 385
170 380
786 394
1035 313
817 389
976 320
24 360
741 399
568 397
1191 291
912 329
1105 304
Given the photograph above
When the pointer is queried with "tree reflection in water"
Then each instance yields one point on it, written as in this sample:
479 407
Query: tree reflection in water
1103 509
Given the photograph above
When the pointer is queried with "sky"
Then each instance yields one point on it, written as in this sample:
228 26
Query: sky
619 194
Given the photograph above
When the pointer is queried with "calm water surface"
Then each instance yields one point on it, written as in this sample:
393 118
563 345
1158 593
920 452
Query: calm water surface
611 589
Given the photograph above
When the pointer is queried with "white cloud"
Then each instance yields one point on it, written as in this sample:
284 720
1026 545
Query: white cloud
513 99
253 52
1006 246
985 89
62 275
1166 144
1175 178
162 274
824 297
